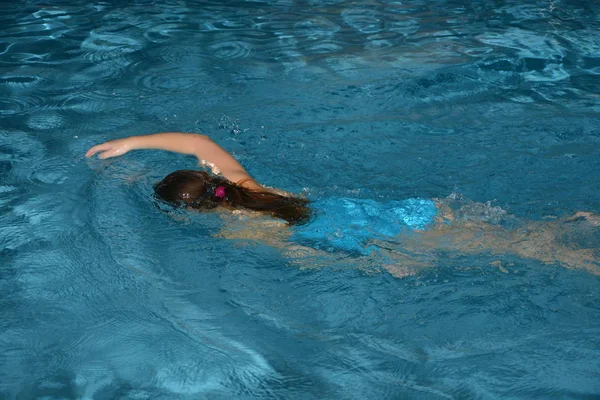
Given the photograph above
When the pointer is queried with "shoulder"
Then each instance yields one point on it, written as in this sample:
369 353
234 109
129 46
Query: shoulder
251 184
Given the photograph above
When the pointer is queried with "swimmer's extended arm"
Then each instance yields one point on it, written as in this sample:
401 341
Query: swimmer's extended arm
200 146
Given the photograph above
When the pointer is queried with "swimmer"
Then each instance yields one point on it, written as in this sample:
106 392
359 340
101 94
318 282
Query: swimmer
344 224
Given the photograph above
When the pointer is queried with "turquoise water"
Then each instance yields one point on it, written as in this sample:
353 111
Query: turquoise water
105 296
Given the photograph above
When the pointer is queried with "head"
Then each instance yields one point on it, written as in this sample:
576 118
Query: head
199 190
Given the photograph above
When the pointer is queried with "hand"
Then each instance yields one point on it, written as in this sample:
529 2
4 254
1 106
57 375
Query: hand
113 148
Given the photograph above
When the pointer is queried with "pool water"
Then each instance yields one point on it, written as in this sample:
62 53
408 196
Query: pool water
492 105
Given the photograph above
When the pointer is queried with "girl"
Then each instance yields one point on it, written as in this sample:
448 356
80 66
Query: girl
199 190
350 225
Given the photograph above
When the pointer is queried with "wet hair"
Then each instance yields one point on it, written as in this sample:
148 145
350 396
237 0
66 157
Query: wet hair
199 190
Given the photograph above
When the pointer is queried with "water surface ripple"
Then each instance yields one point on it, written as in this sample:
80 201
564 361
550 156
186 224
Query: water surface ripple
493 106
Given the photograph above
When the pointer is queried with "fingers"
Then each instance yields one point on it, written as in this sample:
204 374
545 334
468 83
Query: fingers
98 148
106 154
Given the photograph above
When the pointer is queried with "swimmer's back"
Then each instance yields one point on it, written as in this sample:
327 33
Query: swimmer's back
348 224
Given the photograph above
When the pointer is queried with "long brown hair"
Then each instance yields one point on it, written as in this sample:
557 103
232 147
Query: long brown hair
199 190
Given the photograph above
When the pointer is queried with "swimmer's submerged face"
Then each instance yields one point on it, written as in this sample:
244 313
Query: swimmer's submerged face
199 190
186 188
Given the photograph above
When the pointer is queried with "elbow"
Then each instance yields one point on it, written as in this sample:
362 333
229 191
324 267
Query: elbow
199 143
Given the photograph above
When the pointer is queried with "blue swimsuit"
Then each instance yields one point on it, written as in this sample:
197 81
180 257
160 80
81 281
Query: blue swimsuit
348 224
